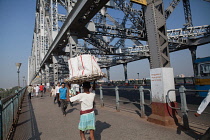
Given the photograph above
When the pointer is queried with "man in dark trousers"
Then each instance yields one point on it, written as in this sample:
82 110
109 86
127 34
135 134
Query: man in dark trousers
64 97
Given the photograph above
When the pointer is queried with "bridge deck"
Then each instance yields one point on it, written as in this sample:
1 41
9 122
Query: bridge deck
42 119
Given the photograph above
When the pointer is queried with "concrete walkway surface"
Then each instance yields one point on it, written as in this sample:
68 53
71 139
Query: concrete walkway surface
42 119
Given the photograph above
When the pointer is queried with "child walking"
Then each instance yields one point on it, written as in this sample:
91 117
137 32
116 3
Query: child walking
87 115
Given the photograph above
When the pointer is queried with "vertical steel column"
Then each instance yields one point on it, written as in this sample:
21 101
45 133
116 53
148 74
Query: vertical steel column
117 99
156 34
193 55
55 68
125 72
47 72
160 73
43 76
187 13
184 107
101 96
108 74
141 91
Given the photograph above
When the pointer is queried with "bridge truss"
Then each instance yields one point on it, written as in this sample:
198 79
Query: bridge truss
66 28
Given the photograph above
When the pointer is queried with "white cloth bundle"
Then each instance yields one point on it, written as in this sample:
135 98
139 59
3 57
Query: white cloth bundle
84 68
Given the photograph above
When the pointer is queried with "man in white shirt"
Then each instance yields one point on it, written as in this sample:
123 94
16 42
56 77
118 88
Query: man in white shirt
37 90
87 115
201 108
57 94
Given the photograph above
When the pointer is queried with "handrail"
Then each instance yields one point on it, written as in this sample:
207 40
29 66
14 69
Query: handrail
4 100
168 99
116 89
9 108
184 109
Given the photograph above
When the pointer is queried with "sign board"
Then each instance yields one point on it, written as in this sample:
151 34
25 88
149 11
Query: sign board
162 80
142 2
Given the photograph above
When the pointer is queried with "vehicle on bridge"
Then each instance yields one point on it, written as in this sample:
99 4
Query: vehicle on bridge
202 78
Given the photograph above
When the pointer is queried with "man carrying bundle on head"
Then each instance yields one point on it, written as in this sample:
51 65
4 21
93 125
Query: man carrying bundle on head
87 115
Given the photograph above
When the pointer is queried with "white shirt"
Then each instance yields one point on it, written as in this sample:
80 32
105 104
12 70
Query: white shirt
57 89
53 92
204 104
37 88
85 99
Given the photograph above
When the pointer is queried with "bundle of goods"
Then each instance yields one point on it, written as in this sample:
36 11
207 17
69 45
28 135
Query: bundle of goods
84 68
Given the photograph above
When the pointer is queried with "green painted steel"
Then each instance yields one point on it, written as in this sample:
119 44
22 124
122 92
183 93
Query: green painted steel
9 108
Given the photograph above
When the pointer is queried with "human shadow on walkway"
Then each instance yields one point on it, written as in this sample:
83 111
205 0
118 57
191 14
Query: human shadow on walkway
100 126
35 134
180 128
31 119
71 110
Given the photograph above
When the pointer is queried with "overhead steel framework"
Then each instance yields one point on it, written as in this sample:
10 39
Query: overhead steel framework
66 28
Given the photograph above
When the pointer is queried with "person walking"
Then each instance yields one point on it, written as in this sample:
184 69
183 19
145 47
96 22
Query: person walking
71 94
30 90
87 115
41 88
200 110
53 93
64 97
37 90
57 94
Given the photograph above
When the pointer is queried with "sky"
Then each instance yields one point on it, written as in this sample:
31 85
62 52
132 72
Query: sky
16 32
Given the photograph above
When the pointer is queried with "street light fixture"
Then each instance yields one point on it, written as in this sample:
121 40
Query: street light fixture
138 75
18 71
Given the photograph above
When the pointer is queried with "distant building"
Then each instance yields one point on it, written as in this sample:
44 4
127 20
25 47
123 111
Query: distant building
181 76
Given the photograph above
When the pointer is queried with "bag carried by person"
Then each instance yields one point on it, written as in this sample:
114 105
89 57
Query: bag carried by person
84 68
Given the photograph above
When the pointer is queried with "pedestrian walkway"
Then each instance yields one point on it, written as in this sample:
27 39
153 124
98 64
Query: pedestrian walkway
42 119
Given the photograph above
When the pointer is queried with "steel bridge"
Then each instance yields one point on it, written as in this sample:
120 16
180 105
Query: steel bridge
66 28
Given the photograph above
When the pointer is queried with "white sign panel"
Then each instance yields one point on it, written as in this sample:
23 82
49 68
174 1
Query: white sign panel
162 80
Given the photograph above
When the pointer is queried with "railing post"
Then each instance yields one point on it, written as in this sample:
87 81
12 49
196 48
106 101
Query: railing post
141 91
101 96
117 99
13 110
184 108
1 122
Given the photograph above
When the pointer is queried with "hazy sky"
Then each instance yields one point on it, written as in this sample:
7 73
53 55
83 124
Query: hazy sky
17 25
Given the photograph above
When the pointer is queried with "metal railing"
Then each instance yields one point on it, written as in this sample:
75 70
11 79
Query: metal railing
9 108
184 108
117 95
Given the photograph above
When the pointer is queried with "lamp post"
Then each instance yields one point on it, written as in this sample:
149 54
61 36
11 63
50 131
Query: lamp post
138 78
18 71
23 80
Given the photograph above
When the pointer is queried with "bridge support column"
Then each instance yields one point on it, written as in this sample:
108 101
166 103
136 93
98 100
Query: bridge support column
55 68
162 78
193 55
43 76
108 74
125 72
47 74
